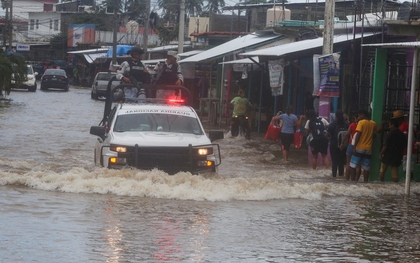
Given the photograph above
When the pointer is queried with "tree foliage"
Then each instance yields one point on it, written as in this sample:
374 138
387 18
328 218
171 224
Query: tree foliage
11 65
58 42
166 34
101 21
215 6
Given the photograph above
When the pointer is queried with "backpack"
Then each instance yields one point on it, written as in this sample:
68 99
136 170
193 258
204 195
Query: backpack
317 128
340 136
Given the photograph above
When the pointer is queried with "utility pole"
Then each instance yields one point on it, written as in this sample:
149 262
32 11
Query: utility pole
181 27
5 5
327 48
11 25
146 28
114 40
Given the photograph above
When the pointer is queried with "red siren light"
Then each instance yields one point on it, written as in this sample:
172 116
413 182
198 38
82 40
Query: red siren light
175 100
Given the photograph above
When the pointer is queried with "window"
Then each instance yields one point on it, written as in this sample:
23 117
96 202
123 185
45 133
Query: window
37 23
31 24
50 24
56 24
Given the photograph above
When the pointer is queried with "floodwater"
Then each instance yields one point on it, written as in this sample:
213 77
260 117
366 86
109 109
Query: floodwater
56 206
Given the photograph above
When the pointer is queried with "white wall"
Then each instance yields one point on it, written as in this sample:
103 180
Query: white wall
43 25
21 8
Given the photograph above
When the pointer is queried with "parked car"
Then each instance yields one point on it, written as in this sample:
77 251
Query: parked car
54 79
30 82
100 84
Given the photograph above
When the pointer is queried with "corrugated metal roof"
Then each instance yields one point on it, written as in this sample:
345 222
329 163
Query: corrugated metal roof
190 53
164 48
242 61
87 51
91 57
394 45
289 48
236 44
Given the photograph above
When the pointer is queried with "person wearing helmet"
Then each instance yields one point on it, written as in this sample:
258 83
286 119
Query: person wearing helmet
170 72
133 68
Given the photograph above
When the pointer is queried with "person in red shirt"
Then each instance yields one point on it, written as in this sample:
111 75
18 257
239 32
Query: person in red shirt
399 116
350 146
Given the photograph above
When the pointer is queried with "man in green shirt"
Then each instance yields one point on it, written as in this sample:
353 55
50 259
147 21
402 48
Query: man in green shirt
240 107
240 104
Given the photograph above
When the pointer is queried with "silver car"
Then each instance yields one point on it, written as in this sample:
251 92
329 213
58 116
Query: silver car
100 84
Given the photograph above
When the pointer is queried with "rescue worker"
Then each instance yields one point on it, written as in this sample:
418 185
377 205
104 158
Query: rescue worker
169 73
134 70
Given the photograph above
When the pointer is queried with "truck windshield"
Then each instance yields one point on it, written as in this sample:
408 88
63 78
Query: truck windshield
158 123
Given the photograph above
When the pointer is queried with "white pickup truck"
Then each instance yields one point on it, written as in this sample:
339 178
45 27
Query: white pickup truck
153 133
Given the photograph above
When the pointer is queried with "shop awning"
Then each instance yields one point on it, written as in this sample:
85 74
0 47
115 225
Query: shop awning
190 53
89 51
91 54
239 44
242 61
162 48
91 57
289 48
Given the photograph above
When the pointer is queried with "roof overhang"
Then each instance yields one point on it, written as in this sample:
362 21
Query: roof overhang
394 45
252 60
190 53
89 51
299 46
302 4
239 44
164 48
90 58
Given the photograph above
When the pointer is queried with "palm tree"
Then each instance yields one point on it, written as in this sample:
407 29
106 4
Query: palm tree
171 9
11 64
214 6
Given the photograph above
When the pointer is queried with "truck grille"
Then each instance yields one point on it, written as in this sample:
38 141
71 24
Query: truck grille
168 159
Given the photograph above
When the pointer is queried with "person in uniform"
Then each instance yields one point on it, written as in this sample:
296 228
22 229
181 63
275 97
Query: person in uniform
134 70
169 72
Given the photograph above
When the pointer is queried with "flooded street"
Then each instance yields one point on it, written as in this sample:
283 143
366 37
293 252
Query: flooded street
56 206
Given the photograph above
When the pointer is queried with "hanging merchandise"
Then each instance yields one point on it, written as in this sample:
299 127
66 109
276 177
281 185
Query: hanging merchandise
276 71
245 72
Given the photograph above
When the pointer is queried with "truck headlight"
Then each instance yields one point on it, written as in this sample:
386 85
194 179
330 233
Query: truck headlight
120 149
205 151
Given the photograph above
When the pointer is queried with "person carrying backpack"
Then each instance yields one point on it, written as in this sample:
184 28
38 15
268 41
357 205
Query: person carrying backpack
316 126
336 132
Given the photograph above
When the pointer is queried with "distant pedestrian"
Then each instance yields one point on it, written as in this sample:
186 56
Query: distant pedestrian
403 125
392 151
309 102
336 132
349 141
316 127
290 123
362 152
76 76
